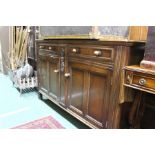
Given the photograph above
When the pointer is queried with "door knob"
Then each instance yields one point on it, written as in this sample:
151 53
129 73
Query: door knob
49 47
74 50
56 71
67 74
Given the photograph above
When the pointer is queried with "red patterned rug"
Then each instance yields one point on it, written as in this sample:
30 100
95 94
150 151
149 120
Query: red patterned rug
44 123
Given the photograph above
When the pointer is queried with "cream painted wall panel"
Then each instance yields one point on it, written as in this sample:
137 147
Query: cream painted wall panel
6 37
1 68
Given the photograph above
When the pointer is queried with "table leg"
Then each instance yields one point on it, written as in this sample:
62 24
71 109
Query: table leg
137 110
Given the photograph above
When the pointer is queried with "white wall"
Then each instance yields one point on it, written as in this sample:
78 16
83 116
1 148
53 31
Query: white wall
1 68
6 44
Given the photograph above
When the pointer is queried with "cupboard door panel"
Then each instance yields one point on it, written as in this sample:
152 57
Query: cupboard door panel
43 73
54 74
76 90
97 98
89 89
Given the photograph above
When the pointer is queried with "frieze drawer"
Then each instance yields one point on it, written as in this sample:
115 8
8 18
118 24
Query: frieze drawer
103 54
139 81
47 47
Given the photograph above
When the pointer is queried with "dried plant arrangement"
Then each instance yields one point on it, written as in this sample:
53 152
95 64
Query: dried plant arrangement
17 57
21 72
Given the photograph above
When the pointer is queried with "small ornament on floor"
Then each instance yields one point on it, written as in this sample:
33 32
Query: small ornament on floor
25 78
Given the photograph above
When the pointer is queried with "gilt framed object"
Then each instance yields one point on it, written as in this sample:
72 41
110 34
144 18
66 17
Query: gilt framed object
112 33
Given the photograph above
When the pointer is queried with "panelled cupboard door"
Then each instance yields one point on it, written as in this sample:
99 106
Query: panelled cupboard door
43 73
76 89
54 77
89 91
97 98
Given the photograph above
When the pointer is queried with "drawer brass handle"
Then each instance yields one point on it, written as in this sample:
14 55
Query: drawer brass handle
97 53
56 71
74 50
41 46
142 81
54 57
67 74
49 47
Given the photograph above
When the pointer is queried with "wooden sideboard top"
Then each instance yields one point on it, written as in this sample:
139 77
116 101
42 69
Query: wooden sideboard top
139 78
92 41
136 68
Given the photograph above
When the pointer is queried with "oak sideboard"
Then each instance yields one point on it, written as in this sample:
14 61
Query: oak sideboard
85 77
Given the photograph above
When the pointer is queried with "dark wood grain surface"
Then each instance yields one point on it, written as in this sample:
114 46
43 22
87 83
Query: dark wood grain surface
89 85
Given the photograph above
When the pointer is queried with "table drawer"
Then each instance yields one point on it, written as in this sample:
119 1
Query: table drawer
143 81
46 49
97 53
139 80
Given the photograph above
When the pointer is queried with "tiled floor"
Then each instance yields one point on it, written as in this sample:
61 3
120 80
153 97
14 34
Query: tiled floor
16 109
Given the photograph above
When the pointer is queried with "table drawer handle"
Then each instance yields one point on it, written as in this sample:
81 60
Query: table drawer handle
142 81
